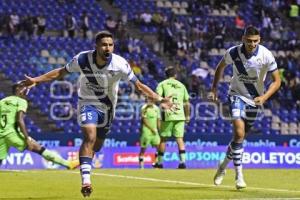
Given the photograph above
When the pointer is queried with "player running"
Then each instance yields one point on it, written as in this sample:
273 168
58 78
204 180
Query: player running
101 70
251 62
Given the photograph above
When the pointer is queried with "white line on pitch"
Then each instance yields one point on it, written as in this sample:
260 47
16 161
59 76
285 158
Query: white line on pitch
13 170
254 198
189 183
182 182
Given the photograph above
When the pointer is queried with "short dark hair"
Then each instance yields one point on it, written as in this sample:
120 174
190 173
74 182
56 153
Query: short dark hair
251 30
170 71
14 87
102 34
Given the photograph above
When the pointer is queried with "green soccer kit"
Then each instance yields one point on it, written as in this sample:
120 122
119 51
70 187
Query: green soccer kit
10 134
173 121
151 113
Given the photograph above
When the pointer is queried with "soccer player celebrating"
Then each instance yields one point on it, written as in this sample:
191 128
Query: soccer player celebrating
173 121
13 132
251 62
101 71
150 128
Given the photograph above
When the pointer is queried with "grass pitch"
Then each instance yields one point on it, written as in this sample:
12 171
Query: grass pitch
149 184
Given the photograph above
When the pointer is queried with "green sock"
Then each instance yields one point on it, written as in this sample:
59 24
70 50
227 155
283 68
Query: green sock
182 156
51 156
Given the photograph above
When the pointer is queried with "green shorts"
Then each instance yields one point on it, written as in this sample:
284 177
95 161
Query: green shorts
172 128
12 139
147 140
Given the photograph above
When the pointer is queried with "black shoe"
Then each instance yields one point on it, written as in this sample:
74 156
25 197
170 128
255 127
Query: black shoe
158 166
86 190
181 166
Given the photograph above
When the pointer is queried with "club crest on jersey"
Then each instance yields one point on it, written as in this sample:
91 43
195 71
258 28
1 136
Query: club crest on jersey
112 73
259 61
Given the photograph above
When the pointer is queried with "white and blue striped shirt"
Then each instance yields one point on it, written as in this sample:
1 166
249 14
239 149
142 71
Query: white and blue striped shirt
99 86
250 72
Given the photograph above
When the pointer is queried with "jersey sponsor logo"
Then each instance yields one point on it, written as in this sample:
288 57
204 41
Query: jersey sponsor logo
247 79
94 87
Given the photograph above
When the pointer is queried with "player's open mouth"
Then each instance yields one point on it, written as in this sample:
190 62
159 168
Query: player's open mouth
107 54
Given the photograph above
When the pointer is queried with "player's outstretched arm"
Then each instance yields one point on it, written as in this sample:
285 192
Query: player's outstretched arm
145 90
49 76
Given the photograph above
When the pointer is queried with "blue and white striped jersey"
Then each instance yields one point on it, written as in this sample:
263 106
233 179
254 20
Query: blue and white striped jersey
99 86
250 72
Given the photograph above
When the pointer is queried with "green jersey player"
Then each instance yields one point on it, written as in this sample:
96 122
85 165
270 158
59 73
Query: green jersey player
150 128
173 121
13 131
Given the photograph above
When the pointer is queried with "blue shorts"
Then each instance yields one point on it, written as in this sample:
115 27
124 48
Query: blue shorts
90 114
241 110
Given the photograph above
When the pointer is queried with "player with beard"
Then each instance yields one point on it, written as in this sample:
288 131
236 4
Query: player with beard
100 72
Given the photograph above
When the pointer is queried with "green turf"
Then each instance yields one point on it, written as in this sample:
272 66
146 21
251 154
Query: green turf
149 184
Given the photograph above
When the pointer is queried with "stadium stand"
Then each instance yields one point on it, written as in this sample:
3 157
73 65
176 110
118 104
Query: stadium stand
192 34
